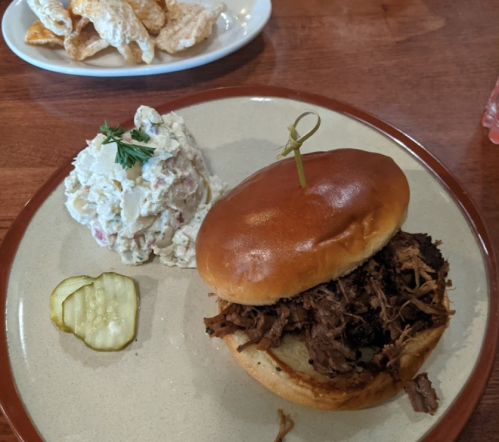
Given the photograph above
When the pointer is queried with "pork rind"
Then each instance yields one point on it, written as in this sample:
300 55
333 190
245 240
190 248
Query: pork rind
39 35
116 23
150 13
84 41
89 26
53 16
187 24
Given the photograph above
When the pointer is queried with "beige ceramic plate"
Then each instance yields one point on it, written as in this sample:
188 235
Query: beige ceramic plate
172 382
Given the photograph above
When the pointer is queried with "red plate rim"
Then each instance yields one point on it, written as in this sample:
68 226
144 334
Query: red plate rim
458 414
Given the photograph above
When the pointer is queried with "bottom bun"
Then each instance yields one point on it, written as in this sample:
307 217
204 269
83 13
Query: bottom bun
285 370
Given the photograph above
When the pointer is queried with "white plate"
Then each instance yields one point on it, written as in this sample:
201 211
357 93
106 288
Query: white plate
243 21
173 382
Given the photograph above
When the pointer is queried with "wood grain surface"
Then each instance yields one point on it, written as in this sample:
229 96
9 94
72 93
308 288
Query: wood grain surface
425 66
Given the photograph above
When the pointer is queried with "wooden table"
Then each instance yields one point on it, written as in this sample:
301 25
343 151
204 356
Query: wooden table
425 66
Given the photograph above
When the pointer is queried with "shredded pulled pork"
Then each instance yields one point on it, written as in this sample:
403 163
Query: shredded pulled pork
286 424
422 395
360 323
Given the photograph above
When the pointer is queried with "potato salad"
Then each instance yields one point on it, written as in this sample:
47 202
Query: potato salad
150 208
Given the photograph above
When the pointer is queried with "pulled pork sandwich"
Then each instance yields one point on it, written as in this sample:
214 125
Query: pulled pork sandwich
322 298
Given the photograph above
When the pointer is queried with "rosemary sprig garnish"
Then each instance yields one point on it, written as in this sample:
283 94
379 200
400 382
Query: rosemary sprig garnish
295 141
127 154
139 135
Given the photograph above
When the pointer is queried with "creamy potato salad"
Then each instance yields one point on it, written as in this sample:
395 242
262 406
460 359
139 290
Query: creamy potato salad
154 208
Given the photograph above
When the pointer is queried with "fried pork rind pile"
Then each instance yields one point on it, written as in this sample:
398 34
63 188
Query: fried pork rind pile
133 27
187 24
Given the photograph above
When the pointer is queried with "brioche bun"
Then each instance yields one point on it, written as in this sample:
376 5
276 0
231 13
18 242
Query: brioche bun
285 371
270 239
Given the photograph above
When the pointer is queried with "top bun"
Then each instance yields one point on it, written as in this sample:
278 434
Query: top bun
269 238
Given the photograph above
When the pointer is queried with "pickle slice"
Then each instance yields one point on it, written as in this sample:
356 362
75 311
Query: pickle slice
103 313
60 293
